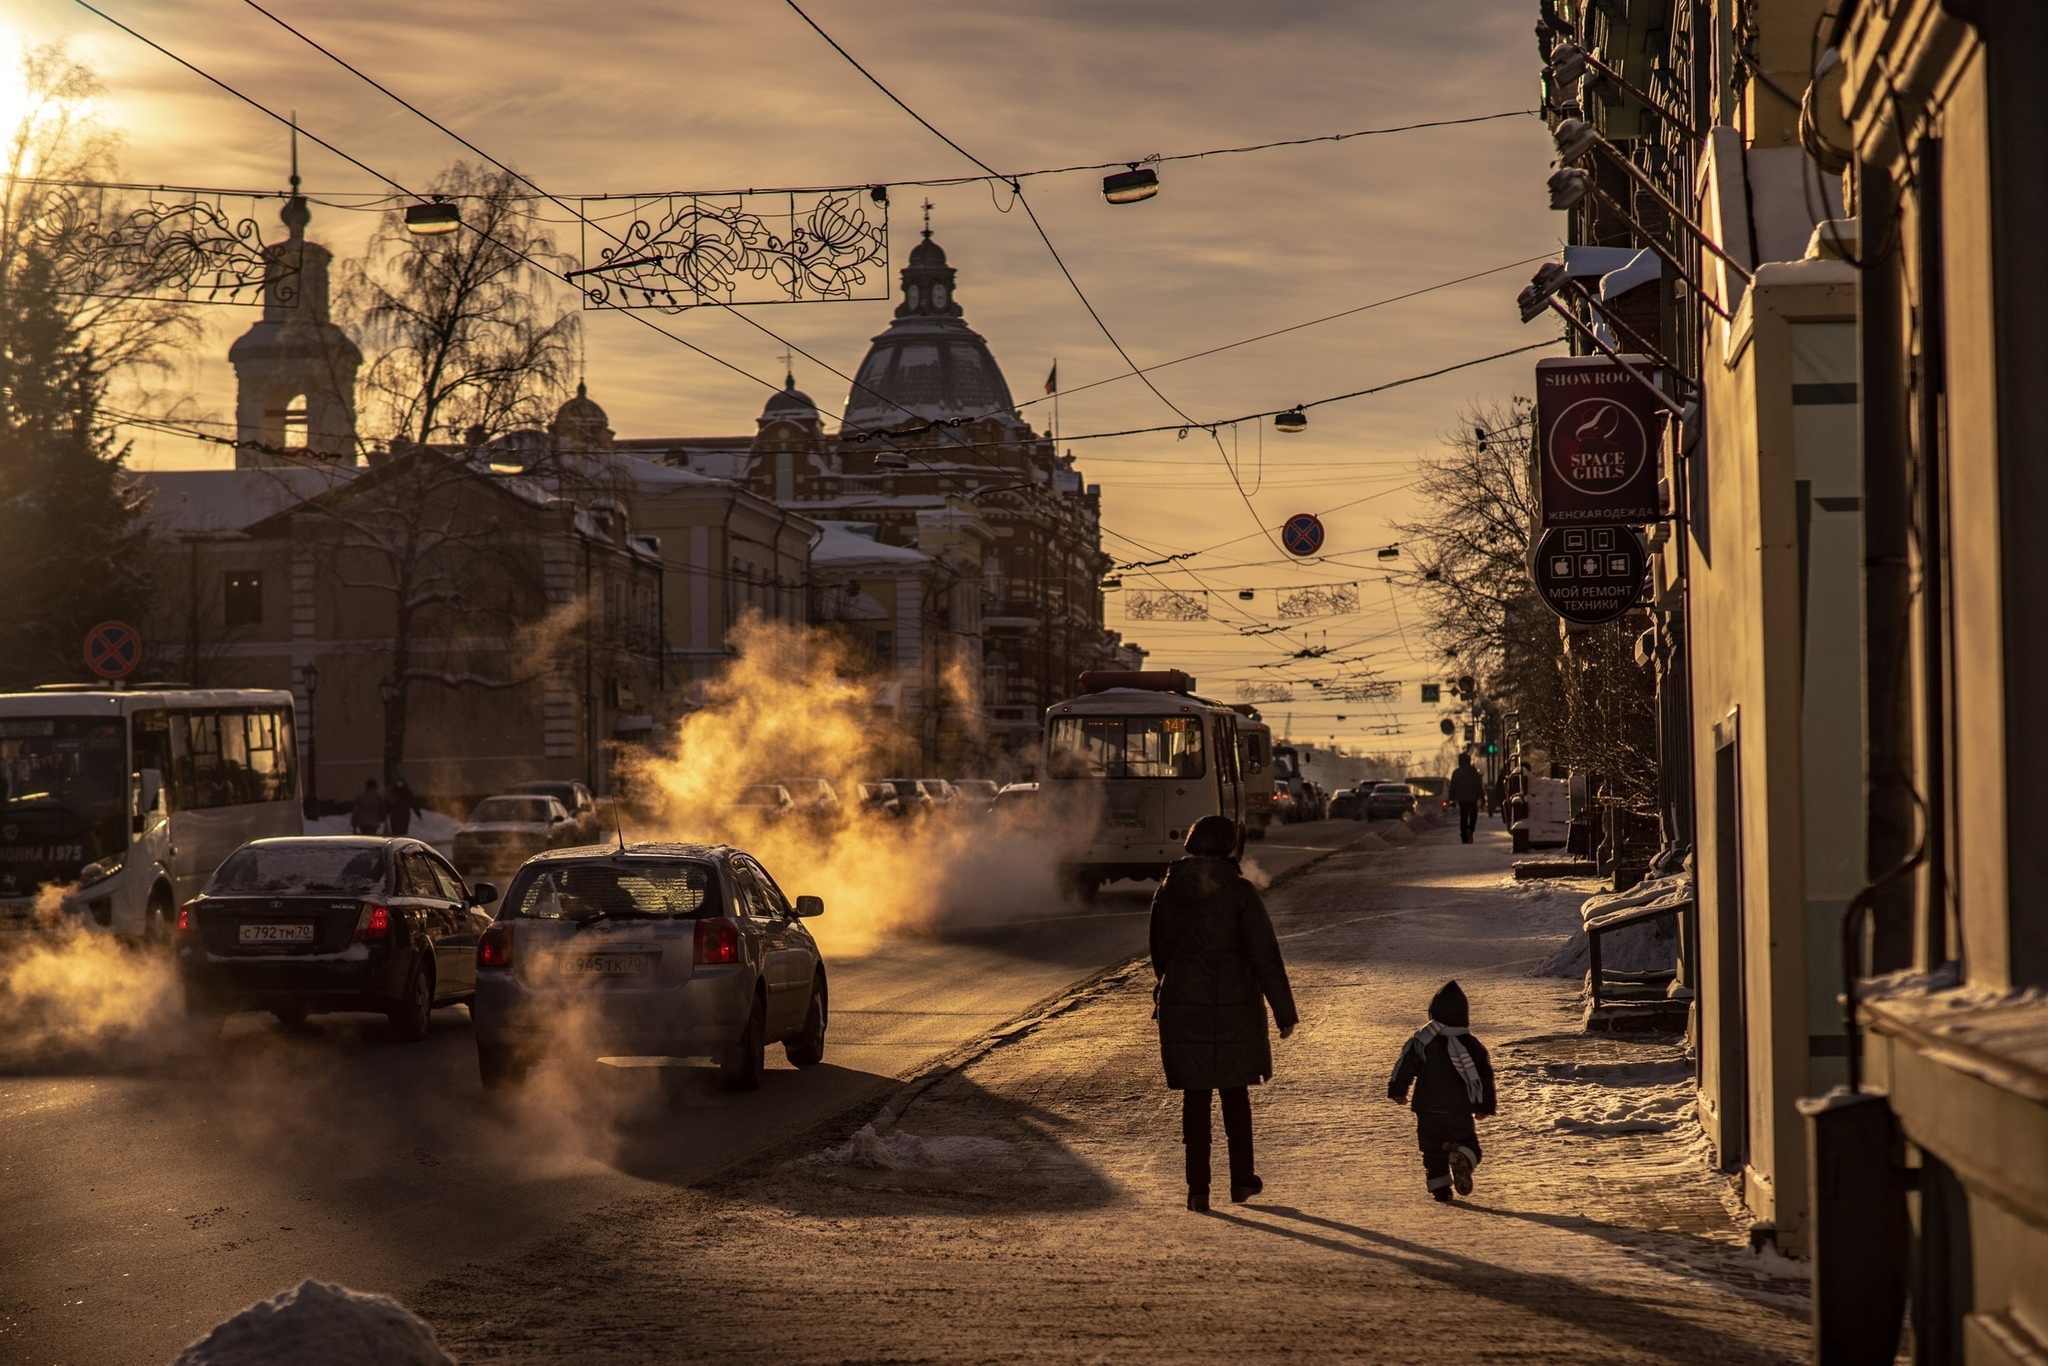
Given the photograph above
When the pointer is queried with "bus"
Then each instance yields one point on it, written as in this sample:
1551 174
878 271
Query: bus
119 804
1144 758
1255 763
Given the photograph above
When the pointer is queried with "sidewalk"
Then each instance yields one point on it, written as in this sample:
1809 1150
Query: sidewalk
1026 1205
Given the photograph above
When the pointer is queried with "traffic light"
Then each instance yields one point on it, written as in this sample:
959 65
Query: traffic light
1469 736
1466 686
1492 748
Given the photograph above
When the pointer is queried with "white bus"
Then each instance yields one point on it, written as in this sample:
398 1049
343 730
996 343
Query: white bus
1150 758
1255 764
120 804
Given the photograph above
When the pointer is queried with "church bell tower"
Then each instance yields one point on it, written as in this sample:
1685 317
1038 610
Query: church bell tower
295 370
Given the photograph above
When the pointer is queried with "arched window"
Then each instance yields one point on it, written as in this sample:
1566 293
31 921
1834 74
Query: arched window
295 423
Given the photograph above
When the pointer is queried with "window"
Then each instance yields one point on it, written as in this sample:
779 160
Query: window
885 650
1127 746
231 757
242 597
295 423
451 883
416 876
575 890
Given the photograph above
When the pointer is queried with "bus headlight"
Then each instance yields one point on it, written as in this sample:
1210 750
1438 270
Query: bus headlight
101 870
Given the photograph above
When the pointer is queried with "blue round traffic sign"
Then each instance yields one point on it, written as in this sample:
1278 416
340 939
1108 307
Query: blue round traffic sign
1303 534
113 649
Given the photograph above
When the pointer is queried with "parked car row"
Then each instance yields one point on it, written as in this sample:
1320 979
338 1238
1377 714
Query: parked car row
1373 801
676 950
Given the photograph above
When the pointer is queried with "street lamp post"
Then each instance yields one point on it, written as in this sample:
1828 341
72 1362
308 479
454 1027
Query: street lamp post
309 678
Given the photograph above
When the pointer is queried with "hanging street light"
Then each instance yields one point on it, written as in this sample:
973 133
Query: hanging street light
437 218
1128 187
1392 552
891 460
1293 420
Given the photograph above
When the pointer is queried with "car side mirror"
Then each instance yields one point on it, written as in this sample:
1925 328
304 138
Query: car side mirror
483 894
809 906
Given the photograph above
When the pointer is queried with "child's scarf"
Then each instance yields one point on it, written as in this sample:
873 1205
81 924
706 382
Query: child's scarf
1475 1086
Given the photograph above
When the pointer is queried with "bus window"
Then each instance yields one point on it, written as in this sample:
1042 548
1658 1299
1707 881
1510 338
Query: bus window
1127 746
231 758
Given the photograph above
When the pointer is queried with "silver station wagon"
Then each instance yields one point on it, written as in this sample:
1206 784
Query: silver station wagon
650 950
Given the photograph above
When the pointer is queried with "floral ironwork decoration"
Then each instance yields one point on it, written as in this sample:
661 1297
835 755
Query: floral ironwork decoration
189 252
1320 600
682 251
1165 605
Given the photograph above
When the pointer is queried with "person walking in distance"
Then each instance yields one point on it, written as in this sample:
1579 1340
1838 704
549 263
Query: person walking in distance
1453 1081
1218 967
1468 789
368 816
401 806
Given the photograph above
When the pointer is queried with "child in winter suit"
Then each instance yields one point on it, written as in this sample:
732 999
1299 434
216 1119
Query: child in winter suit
1453 1081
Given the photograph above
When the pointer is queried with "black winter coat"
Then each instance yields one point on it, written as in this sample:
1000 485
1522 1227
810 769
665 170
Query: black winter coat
1438 1087
1218 965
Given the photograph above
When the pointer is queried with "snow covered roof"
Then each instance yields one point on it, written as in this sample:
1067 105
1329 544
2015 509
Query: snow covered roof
184 502
845 545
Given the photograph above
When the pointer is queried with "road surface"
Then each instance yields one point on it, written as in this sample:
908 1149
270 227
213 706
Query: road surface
142 1203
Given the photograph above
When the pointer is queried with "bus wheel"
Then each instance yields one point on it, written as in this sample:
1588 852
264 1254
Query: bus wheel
156 921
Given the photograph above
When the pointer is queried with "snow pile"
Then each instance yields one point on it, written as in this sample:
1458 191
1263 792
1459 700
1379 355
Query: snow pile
1608 1098
1397 833
898 1150
1651 947
319 1324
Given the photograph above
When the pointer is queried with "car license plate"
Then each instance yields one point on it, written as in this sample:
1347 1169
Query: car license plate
277 934
605 965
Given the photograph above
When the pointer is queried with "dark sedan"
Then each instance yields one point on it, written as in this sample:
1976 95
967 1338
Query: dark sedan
1349 803
1389 801
304 926
658 950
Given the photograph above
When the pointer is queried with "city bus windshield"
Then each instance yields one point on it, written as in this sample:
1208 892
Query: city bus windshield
74 764
1125 747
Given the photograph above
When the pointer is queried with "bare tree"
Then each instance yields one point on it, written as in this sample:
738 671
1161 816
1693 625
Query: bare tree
464 329
1581 695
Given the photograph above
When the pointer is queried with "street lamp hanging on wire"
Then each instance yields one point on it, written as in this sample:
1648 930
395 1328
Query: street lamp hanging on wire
1128 187
434 218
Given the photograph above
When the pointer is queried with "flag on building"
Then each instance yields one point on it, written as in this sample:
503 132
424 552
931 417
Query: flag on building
1052 380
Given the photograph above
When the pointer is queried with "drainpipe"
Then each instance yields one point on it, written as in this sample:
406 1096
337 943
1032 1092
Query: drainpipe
1887 581
1933 481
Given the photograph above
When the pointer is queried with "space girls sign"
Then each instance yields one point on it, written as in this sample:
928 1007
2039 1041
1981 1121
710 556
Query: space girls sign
1597 434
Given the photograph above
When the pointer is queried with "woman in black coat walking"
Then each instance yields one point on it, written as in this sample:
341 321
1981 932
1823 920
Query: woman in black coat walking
1218 967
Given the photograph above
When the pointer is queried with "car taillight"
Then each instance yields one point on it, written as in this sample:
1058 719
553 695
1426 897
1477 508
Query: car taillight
494 950
718 941
185 918
374 925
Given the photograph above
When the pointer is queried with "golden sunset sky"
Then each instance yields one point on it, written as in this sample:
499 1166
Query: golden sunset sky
629 96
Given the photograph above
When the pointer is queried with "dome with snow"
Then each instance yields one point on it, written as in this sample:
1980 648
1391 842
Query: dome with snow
929 364
580 425
789 404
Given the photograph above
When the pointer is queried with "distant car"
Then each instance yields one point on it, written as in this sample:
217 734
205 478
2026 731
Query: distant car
942 792
914 797
813 796
306 925
1389 801
503 832
765 801
1349 804
880 799
576 799
1016 807
665 950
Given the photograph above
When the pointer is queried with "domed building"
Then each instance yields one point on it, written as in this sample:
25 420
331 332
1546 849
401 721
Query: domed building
932 455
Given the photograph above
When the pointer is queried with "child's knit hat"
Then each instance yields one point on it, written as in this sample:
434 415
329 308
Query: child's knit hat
1448 1007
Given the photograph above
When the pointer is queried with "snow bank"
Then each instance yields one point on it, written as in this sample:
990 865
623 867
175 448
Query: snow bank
319 1324
898 1150
1604 1098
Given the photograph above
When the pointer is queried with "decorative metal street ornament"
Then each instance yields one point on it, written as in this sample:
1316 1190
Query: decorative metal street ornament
1321 601
192 252
1164 605
1128 187
1597 440
672 252
1590 574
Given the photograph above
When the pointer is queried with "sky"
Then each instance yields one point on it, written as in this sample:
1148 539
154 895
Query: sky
632 96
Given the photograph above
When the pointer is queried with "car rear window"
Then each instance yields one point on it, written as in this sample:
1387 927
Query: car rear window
534 810
314 866
572 891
